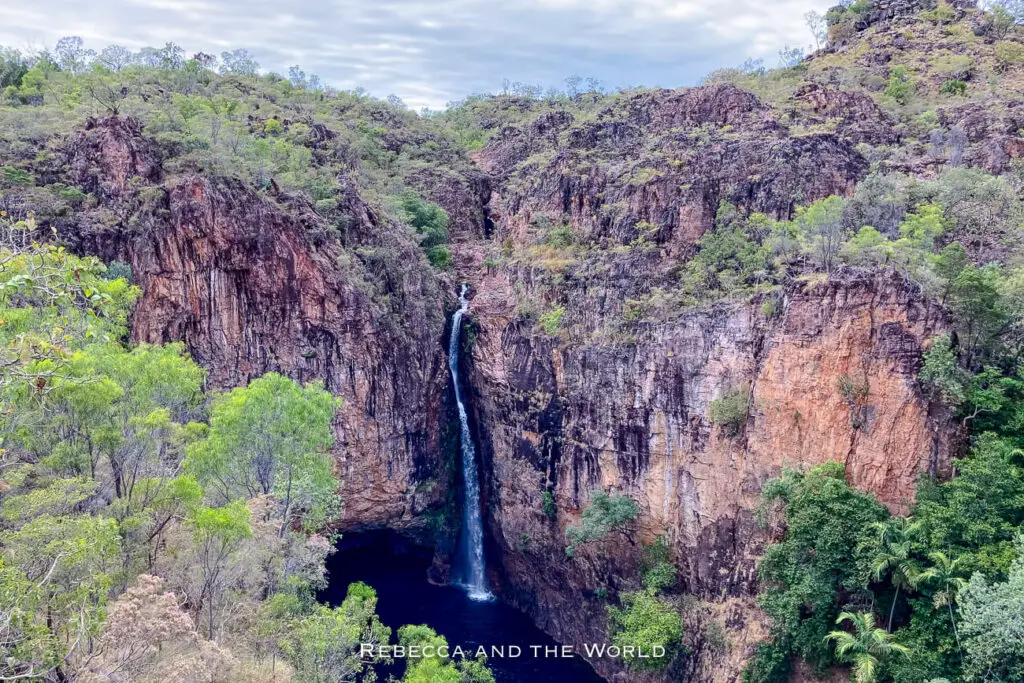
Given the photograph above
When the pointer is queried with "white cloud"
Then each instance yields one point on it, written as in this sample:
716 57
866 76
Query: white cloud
432 52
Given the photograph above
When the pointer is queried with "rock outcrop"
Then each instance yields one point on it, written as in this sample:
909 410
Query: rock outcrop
828 366
251 285
663 158
634 418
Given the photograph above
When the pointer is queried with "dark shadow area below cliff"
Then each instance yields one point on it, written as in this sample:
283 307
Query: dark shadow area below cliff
397 569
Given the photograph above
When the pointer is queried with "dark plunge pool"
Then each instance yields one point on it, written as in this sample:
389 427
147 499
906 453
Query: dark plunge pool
398 572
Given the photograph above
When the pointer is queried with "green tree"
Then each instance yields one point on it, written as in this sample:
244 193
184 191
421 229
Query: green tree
945 575
52 303
325 645
821 224
925 224
992 625
976 515
941 374
218 534
888 546
806 574
606 513
429 220
158 387
67 565
30 649
868 248
271 438
645 622
733 256
433 665
975 302
866 647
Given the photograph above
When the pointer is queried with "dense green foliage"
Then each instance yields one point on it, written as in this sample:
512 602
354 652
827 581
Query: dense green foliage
434 663
271 438
325 644
811 573
646 622
935 594
149 529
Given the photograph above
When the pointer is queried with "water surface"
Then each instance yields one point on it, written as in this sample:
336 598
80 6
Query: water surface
398 572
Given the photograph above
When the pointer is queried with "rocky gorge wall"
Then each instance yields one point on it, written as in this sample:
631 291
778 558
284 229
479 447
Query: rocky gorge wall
253 282
603 400
252 285
634 419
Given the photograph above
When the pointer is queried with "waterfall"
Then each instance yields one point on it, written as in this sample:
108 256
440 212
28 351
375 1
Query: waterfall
475 582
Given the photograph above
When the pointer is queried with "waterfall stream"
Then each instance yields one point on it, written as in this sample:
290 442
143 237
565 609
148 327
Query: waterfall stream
474 581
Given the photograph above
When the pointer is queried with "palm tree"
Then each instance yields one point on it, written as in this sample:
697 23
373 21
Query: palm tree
890 554
866 647
945 574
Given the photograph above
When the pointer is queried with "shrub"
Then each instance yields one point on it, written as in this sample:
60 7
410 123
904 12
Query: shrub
941 376
942 14
1009 52
900 86
646 622
440 257
560 236
867 248
604 514
548 504
954 87
958 67
855 393
729 411
659 572
15 177
118 270
552 319
928 120
273 127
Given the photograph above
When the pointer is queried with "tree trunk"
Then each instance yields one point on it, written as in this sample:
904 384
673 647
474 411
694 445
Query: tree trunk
892 610
953 621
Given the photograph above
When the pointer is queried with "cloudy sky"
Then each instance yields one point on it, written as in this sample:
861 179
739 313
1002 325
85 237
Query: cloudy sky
430 52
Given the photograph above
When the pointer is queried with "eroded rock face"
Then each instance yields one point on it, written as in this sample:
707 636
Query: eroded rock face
664 158
252 286
829 364
634 418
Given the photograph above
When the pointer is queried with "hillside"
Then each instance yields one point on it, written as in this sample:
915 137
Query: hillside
740 358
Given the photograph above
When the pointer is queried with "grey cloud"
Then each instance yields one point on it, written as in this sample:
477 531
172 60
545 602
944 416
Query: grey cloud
433 52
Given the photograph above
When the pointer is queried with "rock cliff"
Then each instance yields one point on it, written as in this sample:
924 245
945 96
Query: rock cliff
633 418
251 284
599 402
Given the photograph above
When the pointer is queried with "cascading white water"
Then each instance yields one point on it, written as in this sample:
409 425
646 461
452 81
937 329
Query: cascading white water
475 581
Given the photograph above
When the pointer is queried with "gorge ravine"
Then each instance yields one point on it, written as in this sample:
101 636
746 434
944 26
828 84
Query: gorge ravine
558 415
